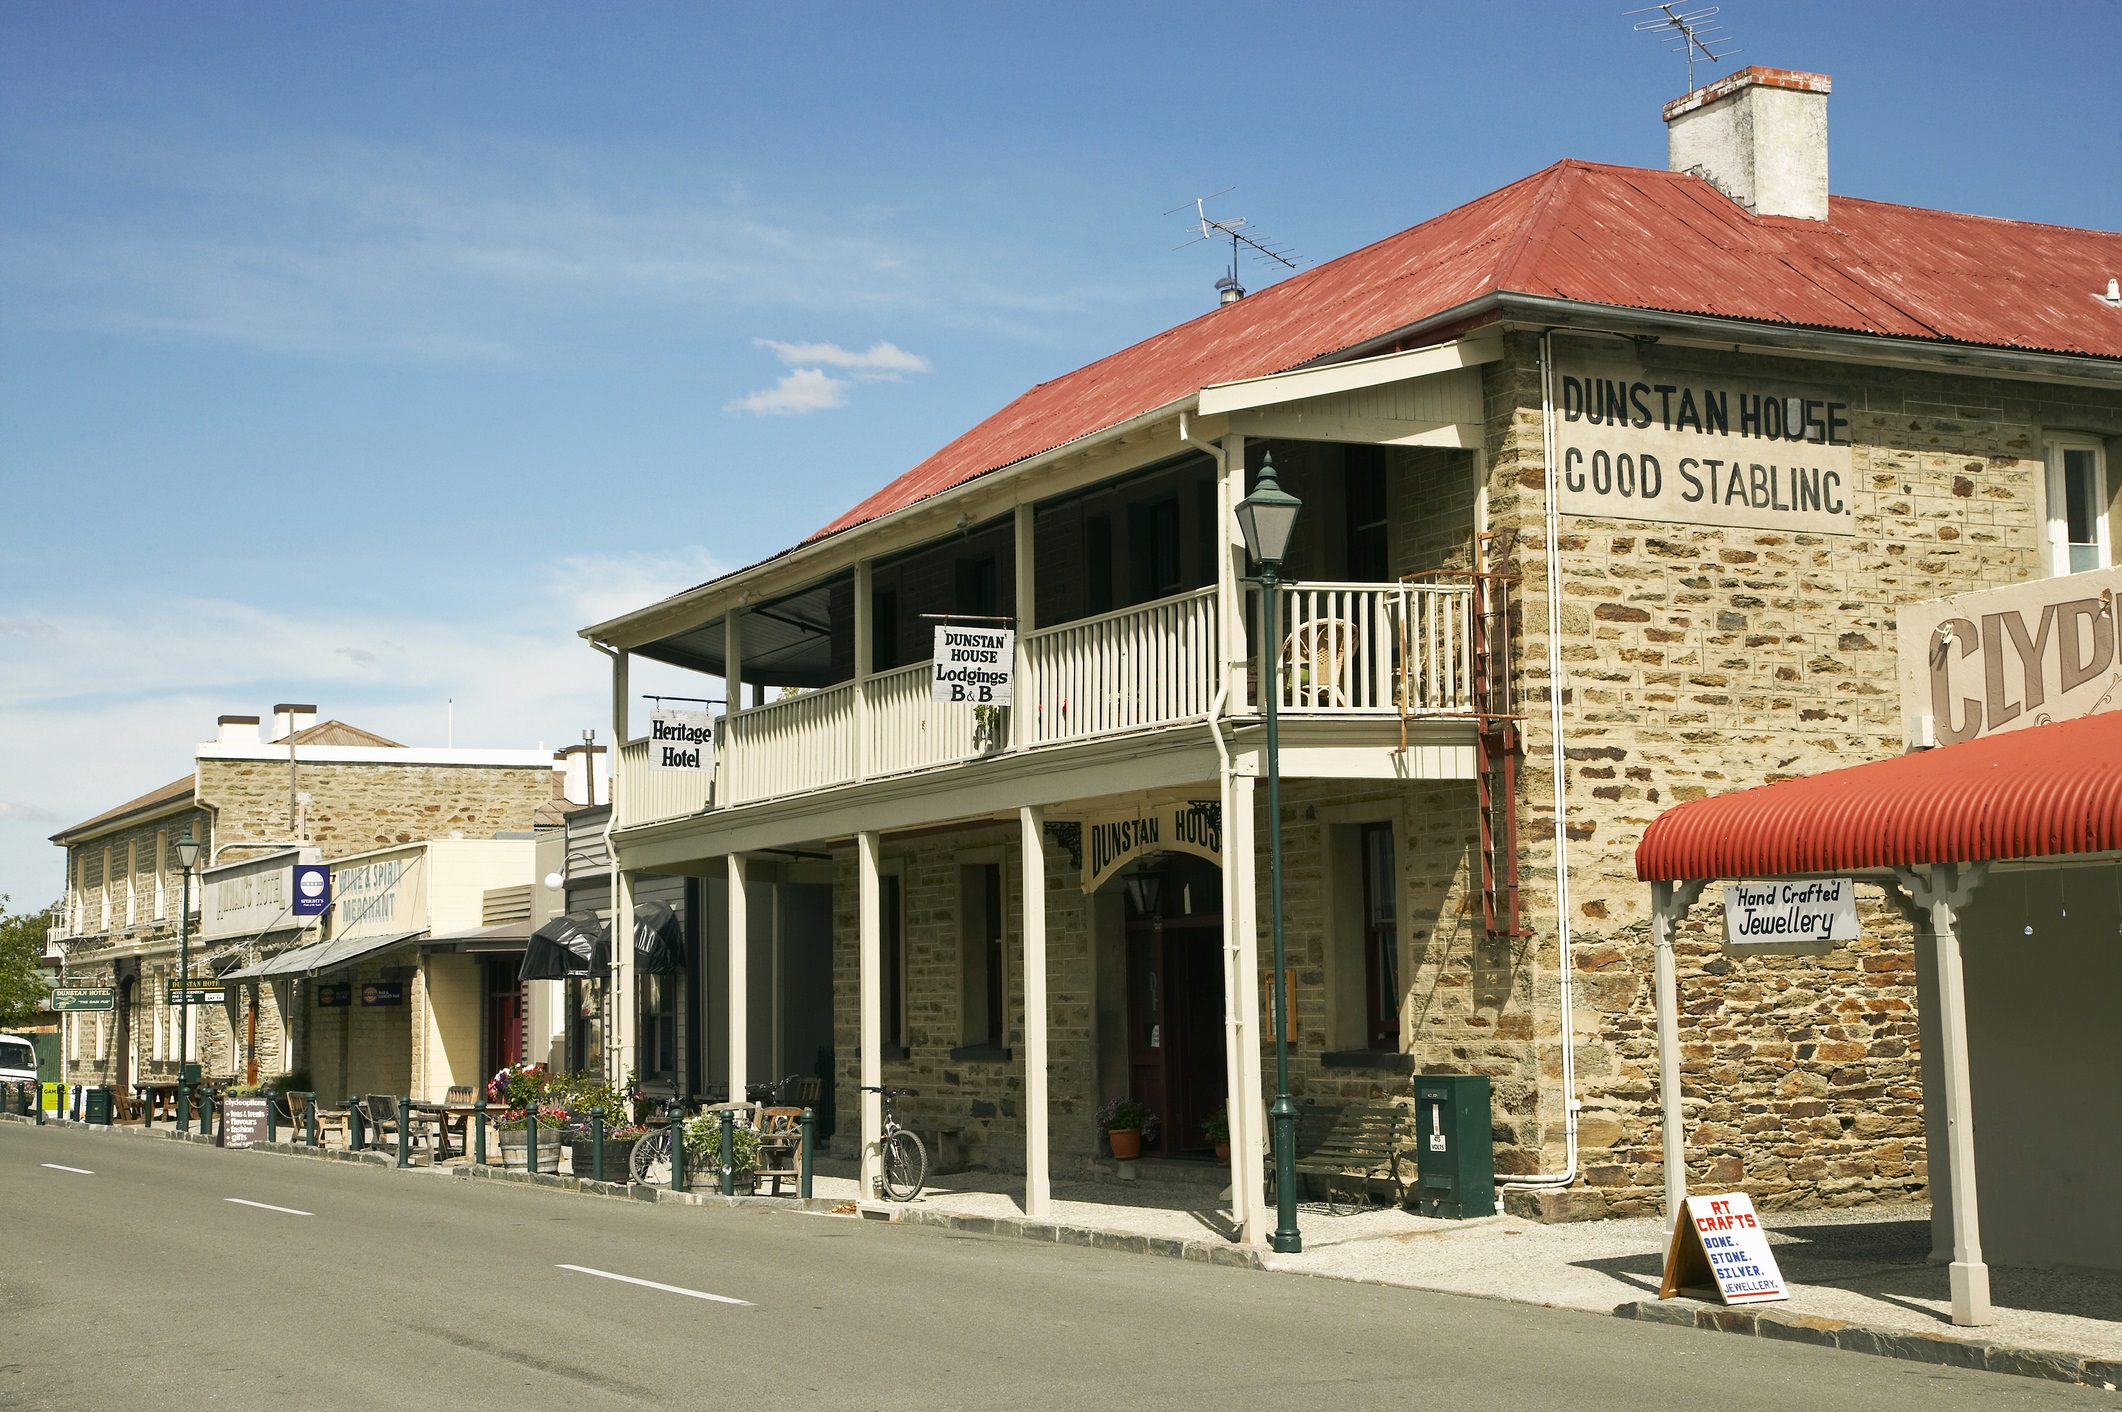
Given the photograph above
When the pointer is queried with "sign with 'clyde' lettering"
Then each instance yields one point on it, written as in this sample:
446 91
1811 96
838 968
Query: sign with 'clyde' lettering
1700 449
974 666
2001 658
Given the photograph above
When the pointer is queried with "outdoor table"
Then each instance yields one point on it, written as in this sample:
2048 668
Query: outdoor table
159 1098
442 1114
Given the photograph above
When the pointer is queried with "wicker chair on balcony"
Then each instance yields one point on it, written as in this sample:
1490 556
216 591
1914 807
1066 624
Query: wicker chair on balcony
1319 663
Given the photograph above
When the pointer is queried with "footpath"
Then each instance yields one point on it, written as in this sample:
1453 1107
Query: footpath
1860 1278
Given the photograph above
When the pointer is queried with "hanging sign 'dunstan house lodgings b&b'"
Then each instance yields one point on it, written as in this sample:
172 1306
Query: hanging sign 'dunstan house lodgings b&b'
1700 449
973 666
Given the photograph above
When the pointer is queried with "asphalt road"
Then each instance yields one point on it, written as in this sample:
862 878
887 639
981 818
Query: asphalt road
145 1281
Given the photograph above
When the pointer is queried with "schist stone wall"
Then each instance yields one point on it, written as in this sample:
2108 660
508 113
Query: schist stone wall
358 806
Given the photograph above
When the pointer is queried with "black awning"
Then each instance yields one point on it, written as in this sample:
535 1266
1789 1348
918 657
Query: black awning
577 944
659 941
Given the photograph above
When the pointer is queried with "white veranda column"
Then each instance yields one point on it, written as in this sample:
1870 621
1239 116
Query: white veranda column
1668 903
1038 1188
1945 897
737 953
621 1006
1248 1108
869 928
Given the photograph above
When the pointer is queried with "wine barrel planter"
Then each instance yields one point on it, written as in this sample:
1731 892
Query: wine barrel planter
618 1158
514 1142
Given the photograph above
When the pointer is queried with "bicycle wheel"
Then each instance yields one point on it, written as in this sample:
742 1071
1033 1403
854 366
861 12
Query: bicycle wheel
651 1160
905 1166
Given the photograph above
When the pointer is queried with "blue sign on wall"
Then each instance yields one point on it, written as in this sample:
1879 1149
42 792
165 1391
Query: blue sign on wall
383 992
329 995
313 889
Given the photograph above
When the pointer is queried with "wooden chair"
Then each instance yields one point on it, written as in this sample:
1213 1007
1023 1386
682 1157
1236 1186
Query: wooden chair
455 1125
294 1106
780 1146
380 1115
332 1123
799 1091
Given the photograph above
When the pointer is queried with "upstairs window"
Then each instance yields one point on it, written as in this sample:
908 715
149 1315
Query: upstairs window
1381 941
1369 546
2078 535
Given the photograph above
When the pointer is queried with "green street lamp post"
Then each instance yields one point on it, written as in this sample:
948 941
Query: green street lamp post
1266 518
188 849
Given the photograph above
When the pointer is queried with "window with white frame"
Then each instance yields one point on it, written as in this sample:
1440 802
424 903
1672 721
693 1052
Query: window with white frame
2078 536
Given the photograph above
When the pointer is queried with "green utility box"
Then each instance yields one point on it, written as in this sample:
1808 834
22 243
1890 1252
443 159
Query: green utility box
1455 1156
97 1110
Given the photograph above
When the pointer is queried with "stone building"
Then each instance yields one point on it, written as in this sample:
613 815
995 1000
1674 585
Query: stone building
1613 483
311 791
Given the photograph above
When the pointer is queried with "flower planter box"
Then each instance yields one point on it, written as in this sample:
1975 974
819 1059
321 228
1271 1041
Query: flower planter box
618 1158
710 1180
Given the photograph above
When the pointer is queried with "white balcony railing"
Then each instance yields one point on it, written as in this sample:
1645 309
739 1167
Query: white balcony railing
1375 649
1346 650
791 746
647 795
1123 671
907 731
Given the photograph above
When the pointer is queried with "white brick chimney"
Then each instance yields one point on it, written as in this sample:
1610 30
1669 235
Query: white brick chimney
1759 136
238 730
289 718
582 774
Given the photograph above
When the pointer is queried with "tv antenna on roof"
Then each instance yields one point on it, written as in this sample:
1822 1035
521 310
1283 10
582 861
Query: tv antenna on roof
1688 32
1207 227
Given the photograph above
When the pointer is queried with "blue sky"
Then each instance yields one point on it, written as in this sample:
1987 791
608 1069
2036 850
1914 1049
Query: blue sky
359 354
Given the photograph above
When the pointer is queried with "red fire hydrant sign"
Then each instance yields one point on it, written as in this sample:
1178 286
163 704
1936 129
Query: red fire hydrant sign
1719 1243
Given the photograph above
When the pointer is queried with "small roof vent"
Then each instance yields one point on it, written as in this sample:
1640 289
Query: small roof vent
2113 298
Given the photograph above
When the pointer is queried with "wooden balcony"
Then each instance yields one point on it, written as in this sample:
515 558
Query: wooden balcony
1348 651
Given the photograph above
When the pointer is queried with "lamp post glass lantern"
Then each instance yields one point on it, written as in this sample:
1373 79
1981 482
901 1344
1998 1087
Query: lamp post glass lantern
1267 518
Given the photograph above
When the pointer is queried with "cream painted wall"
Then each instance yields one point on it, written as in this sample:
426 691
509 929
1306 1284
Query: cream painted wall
450 1028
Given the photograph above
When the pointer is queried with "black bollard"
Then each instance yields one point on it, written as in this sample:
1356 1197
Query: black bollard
729 1153
530 1141
356 1137
677 1146
405 1130
479 1133
596 1144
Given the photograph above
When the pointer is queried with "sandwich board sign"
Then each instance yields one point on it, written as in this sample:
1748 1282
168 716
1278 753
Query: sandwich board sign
1789 918
1719 1243
681 740
973 666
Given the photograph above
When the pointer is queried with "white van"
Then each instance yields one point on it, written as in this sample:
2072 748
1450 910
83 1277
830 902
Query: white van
18 1060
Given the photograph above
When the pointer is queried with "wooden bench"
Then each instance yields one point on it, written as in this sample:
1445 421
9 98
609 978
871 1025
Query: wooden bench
1361 1141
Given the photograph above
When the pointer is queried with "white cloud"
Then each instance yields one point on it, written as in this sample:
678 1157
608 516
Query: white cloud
882 360
110 703
803 391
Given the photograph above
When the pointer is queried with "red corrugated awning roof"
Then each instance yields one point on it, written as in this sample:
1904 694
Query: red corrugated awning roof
2038 792
1623 236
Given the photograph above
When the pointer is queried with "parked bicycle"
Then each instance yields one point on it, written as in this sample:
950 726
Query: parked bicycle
905 1159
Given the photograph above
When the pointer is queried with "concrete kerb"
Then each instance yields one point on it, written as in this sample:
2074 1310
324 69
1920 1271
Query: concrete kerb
1942 1350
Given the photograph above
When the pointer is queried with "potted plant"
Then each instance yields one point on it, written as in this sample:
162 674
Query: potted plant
619 1140
514 1131
987 728
1123 1120
703 1152
1218 1131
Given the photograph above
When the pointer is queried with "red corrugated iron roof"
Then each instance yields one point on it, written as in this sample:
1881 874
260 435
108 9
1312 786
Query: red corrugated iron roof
1624 236
2052 789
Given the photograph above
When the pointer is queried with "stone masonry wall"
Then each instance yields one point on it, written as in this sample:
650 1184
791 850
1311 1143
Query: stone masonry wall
1699 660
979 1099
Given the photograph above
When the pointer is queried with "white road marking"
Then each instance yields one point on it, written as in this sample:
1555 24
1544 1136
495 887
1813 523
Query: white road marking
651 1284
77 1171
284 1210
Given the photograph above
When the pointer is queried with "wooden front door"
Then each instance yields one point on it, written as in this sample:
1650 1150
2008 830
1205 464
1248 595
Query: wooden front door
504 1015
1175 1009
